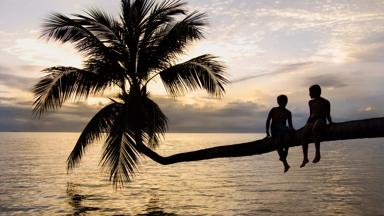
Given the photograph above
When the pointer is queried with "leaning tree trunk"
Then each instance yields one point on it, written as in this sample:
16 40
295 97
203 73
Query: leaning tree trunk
367 128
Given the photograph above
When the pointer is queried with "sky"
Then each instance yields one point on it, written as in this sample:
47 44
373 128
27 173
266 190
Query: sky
269 48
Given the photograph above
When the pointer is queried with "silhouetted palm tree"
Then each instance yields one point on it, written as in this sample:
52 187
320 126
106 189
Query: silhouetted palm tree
127 54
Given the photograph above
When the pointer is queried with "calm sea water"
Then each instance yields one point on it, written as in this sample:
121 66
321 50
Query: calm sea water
348 180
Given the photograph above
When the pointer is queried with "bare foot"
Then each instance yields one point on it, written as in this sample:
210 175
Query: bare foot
286 168
316 159
305 161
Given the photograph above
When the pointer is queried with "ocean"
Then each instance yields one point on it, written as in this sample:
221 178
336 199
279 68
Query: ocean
347 181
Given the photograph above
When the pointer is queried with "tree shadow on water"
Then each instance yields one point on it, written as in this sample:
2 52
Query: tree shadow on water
153 209
75 201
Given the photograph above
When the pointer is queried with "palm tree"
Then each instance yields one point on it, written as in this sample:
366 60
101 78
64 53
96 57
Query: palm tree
127 54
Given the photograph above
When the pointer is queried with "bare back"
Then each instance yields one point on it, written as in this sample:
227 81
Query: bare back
319 109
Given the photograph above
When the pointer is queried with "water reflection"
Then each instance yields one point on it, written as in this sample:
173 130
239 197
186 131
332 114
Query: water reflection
75 200
153 209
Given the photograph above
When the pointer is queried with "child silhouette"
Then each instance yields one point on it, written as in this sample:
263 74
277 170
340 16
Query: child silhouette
319 109
280 132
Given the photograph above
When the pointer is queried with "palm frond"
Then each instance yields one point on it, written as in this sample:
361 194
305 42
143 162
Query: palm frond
143 9
63 82
104 27
111 71
161 15
171 40
64 29
155 122
203 72
133 15
120 156
100 123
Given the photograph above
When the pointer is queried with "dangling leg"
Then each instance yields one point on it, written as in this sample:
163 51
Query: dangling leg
317 152
305 156
285 150
317 131
279 141
306 133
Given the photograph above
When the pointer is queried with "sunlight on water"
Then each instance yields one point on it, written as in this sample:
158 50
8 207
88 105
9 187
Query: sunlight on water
33 181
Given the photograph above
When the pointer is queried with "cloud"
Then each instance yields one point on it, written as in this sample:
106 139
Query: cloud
235 116
370 53
286 68
38 52
326 81
20 118
9 78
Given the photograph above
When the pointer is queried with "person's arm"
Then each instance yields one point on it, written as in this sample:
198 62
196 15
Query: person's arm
268 123
329 118
310 111
290 121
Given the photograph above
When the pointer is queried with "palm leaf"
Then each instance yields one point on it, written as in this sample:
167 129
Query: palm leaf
104 27
170 41
203 72
78 31
155 122
161 15
120 155
63 82
101 123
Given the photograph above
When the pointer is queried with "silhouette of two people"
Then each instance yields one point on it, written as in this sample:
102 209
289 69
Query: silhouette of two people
279 121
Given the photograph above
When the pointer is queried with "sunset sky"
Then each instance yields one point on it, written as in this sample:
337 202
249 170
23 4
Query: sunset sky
269 48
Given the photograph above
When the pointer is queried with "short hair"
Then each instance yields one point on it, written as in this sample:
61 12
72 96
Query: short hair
282 100
315 89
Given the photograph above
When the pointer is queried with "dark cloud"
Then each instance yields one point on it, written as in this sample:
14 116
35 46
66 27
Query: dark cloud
238 116
326 81
20 118
8 78
286 68
7 99
232 117
31 68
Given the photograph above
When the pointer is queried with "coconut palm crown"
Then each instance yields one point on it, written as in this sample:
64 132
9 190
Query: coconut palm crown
126 53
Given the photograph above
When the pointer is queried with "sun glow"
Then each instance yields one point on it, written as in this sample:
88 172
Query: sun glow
39 52
339 56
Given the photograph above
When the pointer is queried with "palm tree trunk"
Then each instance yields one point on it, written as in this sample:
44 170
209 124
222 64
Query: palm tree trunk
367 128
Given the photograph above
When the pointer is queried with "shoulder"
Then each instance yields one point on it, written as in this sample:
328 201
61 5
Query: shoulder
288 112
273 110
325 100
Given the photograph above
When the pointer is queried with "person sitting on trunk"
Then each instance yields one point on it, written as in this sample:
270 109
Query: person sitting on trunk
320 110
280 132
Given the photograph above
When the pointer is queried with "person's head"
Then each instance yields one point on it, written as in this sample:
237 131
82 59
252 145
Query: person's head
282 100
314 91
